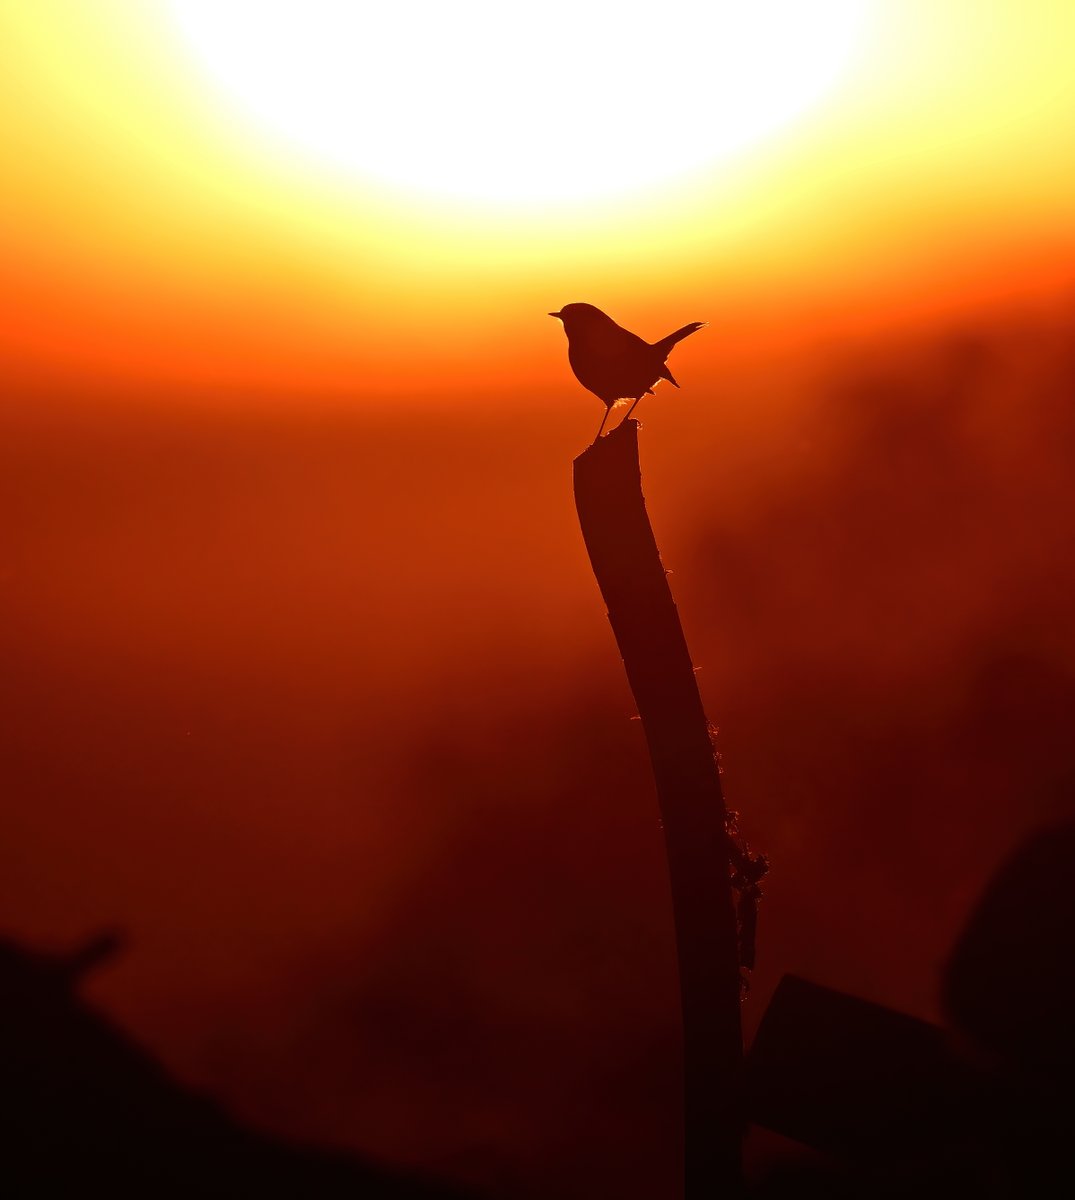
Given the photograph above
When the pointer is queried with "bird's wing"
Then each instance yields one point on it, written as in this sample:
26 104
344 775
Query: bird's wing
625 342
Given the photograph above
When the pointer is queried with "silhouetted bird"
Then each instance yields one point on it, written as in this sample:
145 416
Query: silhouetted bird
610 361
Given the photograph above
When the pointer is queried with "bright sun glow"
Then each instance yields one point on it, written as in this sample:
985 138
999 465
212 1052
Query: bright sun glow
552 101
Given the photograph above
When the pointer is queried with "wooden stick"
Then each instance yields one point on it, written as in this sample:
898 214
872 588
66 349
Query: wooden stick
627 564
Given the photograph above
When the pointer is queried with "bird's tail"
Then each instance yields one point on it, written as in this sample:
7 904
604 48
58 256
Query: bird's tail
665 344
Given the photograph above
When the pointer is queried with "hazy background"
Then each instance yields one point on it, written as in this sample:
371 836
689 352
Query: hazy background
307 684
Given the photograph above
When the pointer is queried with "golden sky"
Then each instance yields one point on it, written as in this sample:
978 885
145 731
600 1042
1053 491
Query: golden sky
318 700
155 235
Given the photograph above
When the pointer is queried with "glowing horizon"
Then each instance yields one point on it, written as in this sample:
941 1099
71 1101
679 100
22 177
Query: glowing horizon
156 234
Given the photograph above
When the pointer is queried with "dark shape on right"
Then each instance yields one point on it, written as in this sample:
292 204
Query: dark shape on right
985 1108
1009 986
612 362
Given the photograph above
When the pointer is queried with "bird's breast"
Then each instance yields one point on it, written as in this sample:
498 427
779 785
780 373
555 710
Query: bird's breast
614 369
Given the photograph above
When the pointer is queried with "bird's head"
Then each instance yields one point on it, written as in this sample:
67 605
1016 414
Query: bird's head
581 318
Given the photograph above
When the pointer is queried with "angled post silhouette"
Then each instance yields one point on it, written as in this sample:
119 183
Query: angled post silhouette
644 619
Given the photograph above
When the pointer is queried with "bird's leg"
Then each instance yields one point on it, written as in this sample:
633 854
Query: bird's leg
603 420
631 409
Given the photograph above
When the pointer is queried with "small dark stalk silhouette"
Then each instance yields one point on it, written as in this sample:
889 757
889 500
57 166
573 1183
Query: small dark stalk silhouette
627 564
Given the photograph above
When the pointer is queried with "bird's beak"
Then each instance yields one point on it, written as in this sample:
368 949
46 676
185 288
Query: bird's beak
554 315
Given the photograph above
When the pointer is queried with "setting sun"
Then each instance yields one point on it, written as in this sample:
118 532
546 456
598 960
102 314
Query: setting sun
558 101
392 756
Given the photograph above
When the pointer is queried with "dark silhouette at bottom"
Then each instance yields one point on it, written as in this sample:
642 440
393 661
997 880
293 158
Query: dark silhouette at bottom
888 1105
85 1110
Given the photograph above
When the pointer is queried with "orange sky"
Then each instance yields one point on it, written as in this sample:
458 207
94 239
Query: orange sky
318 701
155 238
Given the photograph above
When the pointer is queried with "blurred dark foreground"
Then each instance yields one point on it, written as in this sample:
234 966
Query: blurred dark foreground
869 1102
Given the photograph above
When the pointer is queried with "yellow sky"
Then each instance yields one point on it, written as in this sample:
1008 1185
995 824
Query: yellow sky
154 235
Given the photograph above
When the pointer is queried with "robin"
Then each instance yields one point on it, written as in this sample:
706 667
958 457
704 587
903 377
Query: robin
613 363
